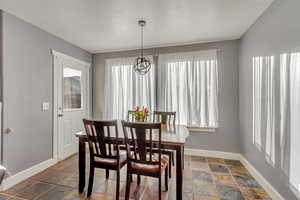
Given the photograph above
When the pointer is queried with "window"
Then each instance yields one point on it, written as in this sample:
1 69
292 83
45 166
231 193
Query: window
125 89
264 106
290 117
72 89
276 100
186 83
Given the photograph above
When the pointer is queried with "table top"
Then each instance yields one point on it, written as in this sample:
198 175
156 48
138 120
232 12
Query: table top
171 134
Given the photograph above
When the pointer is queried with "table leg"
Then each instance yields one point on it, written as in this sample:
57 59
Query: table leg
81 165
179 173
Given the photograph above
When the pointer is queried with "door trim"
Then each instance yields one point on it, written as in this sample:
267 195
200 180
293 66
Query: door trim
59 57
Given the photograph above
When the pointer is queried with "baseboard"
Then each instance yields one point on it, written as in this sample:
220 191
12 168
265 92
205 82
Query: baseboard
207 153
262 181
236 156
25 174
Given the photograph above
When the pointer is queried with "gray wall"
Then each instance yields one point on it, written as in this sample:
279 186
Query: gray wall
28 74
1 83
277 31
226 138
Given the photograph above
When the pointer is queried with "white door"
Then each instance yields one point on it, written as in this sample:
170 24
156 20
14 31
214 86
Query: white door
71 104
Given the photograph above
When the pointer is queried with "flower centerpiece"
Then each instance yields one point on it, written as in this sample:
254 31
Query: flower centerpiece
141 114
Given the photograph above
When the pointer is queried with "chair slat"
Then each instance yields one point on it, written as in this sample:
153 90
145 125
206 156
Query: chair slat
109 141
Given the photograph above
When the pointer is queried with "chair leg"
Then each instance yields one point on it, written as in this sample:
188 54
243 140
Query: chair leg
166 177
118 185
107 173
138 179
128 181
159 188
91 180
182 157
170 167
172 158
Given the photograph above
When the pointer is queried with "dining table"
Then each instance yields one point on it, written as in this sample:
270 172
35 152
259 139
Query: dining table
173 137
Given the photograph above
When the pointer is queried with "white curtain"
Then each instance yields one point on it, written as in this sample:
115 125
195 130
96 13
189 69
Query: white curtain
285 113
125 89
188 85
264 102
257 101
290 118
264 114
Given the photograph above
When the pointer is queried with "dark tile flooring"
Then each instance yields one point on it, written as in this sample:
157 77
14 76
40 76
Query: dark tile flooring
204 179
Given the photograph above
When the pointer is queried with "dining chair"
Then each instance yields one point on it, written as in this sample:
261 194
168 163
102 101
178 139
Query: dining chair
104 150
142 160
168 119
130 115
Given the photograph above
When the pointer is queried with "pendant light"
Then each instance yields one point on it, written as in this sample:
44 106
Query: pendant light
142 64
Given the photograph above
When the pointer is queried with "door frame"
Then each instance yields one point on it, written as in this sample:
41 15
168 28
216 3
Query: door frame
58 58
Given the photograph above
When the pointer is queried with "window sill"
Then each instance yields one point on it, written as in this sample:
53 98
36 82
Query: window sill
202 130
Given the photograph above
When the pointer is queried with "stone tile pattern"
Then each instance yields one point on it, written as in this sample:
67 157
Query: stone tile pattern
204 179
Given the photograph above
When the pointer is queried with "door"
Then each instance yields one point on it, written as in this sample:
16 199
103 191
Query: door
72 97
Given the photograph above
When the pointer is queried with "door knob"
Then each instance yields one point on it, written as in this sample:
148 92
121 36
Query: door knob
8 131
60 115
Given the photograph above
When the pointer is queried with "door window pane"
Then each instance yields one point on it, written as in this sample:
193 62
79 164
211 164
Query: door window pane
72 89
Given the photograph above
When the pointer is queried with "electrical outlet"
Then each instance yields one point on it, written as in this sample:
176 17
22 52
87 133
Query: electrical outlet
46 106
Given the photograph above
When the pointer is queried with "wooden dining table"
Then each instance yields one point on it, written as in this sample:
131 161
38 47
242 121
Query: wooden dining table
173 138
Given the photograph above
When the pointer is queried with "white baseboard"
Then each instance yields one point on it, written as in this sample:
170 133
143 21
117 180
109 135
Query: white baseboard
217 154
25 174
261 180
236 156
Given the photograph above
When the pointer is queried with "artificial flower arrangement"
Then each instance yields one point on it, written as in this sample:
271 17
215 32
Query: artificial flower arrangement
141 114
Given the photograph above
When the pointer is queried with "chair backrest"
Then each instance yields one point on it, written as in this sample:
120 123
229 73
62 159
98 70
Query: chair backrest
164 117
141 140
130 115
102 138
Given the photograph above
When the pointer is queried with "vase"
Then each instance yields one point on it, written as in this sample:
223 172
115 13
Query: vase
141 119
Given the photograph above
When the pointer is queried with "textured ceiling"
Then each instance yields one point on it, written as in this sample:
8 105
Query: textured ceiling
111 25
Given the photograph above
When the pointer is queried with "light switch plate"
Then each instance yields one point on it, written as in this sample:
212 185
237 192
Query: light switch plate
46 106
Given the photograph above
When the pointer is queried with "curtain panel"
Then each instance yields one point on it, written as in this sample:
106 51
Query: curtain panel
276 100
290 118
188 85
125 89
264 113
285 113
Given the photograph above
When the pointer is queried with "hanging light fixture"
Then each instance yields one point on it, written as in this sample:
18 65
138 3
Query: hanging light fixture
142 64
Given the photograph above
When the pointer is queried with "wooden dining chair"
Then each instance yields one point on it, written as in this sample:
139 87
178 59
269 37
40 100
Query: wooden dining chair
169 119
142 160
104 151
130 115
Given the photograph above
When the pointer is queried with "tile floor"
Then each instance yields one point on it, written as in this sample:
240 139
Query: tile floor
204 179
